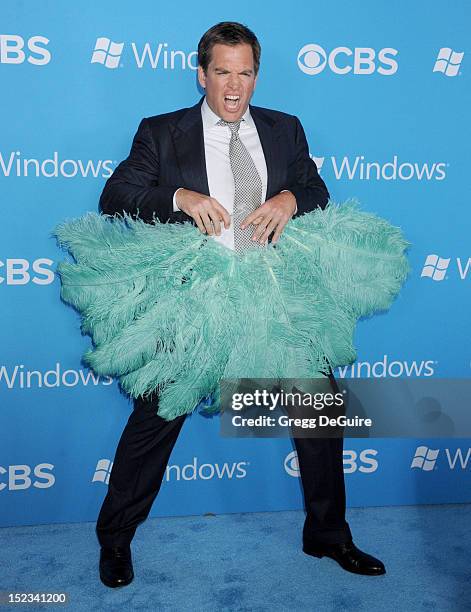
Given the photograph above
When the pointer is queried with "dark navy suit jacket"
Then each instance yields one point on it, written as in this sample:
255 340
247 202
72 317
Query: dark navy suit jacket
168 152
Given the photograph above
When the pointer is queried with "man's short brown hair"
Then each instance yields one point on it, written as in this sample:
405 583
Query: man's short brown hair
227 33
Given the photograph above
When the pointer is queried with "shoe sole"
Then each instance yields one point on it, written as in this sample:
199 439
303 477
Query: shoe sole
114 585
319 554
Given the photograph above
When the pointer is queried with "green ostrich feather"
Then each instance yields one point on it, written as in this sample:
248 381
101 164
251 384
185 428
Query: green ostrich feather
170 310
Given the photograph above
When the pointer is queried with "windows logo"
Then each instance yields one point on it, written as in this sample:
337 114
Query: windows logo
107 52
425 458
435 267
103 471
319 161
448 62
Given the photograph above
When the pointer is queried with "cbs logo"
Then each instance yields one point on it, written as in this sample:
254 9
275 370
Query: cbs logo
20 272
20 478
352 461
12 50
312 59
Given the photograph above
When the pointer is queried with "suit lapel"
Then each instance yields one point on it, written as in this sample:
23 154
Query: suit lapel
268 135
188 139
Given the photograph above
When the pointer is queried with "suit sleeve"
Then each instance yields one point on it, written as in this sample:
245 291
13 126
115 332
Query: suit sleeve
309 189
134 185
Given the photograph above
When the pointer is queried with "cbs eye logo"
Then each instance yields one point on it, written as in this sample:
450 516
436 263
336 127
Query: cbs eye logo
312 59
292 464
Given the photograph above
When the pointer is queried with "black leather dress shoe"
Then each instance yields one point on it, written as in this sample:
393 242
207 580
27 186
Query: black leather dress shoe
116 566
347 556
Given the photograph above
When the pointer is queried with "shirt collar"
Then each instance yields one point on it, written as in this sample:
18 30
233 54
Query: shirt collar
210 118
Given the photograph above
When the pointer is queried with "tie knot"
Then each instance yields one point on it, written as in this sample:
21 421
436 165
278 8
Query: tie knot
233 125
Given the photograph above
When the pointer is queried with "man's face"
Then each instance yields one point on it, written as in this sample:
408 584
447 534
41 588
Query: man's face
229 81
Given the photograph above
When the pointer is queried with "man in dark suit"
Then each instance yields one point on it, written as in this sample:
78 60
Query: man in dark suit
195 165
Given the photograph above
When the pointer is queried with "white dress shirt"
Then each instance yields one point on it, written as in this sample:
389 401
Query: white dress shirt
218 165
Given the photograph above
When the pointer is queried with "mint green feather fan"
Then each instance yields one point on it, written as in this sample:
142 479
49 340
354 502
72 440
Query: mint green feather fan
171 310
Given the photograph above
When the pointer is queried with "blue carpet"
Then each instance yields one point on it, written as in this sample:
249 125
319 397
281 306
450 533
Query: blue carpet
251 562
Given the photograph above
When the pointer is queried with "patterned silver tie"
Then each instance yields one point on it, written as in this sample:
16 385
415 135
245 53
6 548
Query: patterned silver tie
247 188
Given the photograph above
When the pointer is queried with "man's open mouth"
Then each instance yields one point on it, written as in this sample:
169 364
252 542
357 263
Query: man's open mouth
231 101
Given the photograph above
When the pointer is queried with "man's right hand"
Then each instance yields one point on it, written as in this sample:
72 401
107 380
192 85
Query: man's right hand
206 211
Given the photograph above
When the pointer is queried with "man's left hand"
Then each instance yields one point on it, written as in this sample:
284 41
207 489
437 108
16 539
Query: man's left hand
271 216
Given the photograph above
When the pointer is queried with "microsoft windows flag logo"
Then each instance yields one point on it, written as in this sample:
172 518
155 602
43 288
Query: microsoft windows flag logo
107 52
425 458
103 471
319 161
448 62
435 267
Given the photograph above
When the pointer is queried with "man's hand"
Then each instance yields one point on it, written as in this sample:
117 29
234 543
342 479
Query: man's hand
206 211
271 216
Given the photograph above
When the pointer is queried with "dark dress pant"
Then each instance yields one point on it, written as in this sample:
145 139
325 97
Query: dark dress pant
142 456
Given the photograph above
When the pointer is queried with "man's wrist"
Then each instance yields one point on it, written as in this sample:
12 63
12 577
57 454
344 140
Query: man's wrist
296 205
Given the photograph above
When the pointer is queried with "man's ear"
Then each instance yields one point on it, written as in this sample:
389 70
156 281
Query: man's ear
201 77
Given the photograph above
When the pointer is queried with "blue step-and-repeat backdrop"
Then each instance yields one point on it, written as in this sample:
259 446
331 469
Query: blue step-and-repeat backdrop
383 91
